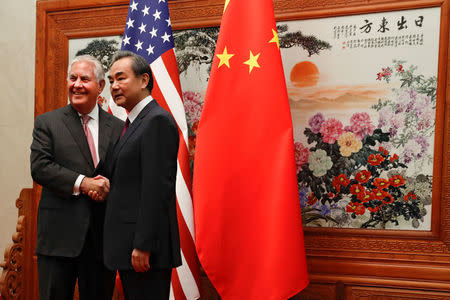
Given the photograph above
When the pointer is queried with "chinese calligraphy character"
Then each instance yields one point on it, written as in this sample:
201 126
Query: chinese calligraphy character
383 26
402 23
367 27
419 21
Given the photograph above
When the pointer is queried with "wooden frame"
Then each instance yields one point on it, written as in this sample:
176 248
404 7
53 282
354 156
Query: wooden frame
343 263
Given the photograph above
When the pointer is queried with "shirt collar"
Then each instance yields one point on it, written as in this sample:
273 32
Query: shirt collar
138 108
93 114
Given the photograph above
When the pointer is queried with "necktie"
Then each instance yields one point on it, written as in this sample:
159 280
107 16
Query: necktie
125 127
89 138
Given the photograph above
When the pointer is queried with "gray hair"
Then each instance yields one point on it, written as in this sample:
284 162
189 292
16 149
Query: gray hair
99 72
139 65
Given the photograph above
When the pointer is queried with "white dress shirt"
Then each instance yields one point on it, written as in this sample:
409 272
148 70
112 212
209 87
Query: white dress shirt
93 127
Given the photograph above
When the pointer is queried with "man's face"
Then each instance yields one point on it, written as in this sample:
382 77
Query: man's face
83 87
126 89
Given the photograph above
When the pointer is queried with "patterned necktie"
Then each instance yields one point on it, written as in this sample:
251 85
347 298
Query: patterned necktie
89 138
125 127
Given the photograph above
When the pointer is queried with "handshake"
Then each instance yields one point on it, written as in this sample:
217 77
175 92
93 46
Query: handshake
97 188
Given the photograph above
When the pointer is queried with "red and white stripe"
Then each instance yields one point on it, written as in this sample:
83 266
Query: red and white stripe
167 91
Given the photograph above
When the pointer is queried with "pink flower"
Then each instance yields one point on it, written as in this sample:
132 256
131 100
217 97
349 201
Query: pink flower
331 130
315 122
192 106
361 125
301 155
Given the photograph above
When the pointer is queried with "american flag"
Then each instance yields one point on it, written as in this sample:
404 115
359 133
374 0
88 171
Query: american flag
148 32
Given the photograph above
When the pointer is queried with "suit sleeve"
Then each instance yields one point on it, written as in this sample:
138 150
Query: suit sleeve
159 149
44 169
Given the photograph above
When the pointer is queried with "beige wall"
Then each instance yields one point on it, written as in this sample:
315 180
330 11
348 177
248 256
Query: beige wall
17 48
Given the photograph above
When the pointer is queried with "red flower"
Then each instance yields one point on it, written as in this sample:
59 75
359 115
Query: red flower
379 194
356 189
381 149
379 76
375 160
400 69
339 180
342 179
311 199
393 158
356 207
331 195
410 196
390 199
381 183
374 209
397 180
365 196
363 176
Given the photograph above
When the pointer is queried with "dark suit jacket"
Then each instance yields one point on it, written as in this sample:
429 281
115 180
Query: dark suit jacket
59 153
141 206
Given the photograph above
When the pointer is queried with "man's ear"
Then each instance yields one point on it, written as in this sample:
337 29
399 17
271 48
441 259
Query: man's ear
145 78
101 86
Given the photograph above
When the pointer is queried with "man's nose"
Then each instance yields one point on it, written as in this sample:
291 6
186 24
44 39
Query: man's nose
114 85
77 83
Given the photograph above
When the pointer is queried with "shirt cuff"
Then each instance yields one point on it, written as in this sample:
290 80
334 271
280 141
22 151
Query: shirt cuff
76 186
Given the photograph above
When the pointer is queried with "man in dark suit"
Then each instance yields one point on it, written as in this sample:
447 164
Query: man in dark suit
68 155
141 231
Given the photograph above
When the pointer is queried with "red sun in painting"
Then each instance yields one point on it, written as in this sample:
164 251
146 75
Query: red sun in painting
305 74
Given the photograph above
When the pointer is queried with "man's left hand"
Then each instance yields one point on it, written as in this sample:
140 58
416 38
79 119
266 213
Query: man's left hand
140 260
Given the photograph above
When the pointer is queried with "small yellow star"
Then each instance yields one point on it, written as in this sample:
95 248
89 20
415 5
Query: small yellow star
224 58
275 38
226 4
252 61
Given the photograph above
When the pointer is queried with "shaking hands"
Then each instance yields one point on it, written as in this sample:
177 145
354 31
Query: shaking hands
97 188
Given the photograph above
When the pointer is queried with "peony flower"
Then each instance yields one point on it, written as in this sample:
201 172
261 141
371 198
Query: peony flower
379 194
381 183
319 162
348 144
375 160
373 209
301 155
356 189
363 176
315 122
331 130
192 106
365 196
397 180
356 207
361 125
340 180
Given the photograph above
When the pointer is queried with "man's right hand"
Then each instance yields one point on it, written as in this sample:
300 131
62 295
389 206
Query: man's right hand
97 188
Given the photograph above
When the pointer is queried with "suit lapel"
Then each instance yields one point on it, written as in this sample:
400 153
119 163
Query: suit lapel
73 124
133 127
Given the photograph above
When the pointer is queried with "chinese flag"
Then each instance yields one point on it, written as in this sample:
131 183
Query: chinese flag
248 226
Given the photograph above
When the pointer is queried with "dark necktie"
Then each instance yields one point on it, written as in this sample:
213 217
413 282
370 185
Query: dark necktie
125 127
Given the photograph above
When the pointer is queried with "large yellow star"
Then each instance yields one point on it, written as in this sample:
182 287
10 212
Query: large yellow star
226 4
224 58
275 38
252 62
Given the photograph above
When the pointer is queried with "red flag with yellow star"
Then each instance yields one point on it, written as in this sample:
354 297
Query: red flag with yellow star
249 234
